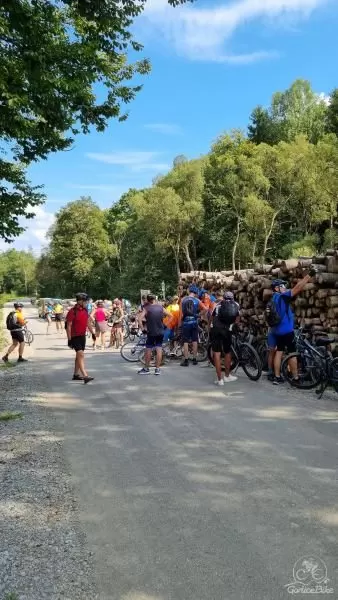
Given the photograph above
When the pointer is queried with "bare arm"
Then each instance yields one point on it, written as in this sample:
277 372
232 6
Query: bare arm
300 285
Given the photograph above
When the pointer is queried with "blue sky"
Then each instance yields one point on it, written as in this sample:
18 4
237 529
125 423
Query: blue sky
212 63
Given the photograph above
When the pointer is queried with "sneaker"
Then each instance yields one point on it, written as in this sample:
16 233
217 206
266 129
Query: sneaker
143 371
194 361
219 382
278 381
87 379
229 379
271 376
5 358
20 359
157 371
185 363
77 378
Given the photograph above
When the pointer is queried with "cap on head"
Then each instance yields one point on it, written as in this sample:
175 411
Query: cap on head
193 289
81 296
278 283
18 305
99 302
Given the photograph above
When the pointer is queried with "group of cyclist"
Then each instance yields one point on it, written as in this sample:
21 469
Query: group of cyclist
163 321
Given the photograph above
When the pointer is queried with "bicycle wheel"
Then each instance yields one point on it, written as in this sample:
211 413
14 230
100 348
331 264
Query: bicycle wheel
152 360
234 359
29 337
309 371
250 362
202 352
334 374
131 352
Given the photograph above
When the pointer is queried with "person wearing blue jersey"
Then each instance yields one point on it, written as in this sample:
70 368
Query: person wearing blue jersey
283 331
190 309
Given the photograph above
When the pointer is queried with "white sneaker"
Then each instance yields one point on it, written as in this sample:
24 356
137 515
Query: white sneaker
219 382
229 379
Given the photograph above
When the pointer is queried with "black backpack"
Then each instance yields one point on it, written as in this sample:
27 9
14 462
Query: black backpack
11 321
272 316
228 312
188 308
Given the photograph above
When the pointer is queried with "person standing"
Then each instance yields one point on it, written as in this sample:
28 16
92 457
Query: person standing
15 322
99 317
77 323
283 330
153 314
224 315
58 313
48 315
190 308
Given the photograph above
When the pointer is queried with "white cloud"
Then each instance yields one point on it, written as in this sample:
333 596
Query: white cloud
35 234
165 128
322 97
204 33
135 161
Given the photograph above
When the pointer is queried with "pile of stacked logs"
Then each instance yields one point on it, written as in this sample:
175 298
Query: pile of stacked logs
316 306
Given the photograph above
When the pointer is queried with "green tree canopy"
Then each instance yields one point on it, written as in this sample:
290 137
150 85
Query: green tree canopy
52 54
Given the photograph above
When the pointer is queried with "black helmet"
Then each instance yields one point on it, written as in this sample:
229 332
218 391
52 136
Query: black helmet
18 305
277 283
81 296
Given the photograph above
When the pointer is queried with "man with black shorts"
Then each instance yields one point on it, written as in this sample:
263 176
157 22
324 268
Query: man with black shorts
153 314
15 322
77 323
224 315
284 331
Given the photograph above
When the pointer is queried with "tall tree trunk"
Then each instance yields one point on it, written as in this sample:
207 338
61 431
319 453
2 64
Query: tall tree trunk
234 248
188 257
254 247
268 232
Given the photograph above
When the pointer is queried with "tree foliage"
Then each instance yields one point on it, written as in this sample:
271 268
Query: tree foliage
242 203
18 272
52 54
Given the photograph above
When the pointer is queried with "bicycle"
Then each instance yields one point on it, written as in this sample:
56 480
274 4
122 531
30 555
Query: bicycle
130 351
28 335
244 355
316 367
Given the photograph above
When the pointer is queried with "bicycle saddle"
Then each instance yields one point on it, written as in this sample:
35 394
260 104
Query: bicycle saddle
324 341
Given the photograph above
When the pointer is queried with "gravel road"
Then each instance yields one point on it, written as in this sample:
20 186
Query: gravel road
168 487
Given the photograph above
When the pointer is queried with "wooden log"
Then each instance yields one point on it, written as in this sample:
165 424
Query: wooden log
265 283
309 287
315 322
305 262
332 301
267 294
288 265
319 260
327 278
331 264
301 301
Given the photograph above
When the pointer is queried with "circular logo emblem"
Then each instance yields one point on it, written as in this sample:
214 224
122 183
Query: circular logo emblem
310 569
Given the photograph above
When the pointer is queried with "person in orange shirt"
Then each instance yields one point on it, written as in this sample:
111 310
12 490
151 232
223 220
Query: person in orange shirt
171 322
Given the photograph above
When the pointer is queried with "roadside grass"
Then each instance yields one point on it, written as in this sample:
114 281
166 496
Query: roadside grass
11 596
10 416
